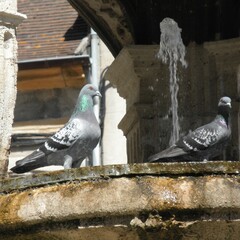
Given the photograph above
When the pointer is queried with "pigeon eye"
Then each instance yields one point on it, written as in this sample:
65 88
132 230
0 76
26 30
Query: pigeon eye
91 88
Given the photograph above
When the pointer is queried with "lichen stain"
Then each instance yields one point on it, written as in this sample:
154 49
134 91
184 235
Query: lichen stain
69 189
12 204
165 192
128 170
9 206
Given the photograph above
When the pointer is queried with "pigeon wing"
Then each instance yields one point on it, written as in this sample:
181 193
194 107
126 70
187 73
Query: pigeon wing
202 138
64 138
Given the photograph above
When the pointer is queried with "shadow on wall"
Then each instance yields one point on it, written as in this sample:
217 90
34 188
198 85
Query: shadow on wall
73 32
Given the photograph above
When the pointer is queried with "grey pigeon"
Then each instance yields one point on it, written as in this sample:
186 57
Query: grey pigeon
73 142
204 143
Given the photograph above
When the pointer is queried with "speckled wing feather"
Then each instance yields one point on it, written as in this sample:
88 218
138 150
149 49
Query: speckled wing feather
203 137
64 138
201 141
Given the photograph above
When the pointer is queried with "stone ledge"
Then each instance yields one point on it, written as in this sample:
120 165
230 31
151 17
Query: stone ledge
192 197
23 181
122 199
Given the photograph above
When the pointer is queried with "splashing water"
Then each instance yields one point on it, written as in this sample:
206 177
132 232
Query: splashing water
172 49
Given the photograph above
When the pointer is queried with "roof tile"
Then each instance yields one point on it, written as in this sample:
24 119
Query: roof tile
53 29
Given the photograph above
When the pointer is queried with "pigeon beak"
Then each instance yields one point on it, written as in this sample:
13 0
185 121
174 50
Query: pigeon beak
229 104
98 94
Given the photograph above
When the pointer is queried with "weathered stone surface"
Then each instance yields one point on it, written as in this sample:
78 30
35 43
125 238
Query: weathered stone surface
154 201
20 182
109 20
9 20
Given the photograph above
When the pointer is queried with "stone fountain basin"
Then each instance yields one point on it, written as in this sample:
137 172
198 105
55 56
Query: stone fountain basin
165 200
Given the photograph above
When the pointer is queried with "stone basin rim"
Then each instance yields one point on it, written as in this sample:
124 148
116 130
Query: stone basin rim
173 169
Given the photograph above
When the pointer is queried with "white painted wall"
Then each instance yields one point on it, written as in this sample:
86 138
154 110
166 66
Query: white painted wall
114 142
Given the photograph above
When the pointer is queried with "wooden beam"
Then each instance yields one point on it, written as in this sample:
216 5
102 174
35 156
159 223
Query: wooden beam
49 78
46 126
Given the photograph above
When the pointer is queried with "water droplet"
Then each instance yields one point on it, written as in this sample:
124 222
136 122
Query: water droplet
151 88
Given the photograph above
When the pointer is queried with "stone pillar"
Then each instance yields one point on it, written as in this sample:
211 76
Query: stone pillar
9 20
213 71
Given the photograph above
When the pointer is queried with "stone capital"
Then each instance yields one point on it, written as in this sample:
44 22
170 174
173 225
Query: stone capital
11 18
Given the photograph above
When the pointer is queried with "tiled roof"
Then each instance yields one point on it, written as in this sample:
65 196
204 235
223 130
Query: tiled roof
53 29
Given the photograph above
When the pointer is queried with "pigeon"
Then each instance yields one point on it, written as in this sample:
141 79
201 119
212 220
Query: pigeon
204 143
70 145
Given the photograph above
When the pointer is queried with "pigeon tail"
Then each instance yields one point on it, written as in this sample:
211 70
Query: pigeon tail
172 152
35 160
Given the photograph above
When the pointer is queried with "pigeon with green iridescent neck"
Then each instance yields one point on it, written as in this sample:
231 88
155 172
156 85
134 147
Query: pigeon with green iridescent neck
205 142
73 142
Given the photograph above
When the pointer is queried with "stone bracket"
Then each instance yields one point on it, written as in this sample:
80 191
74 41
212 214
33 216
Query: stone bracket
11 18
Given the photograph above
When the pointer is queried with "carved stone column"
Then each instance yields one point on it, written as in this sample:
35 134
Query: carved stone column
9 20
